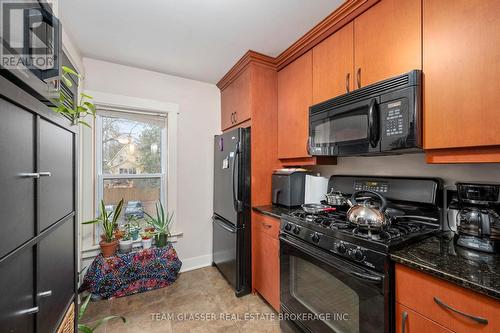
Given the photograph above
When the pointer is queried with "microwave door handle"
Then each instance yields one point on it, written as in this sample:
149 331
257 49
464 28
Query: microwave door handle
373 123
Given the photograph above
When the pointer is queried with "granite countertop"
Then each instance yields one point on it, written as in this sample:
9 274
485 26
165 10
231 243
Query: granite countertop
273 210
441 257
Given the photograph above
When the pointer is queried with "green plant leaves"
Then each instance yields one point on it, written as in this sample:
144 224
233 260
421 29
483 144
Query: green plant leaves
86 329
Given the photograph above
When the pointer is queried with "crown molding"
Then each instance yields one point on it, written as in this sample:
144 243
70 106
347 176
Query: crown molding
251 57
333 22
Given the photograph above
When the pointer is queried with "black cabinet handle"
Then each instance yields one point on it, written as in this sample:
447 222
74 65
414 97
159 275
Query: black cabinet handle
479 320
46 293
45 174
358 77
347 79
403 321
267 226
29 175
235 119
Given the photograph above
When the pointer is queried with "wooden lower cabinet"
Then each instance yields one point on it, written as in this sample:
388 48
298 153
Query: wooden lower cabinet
445 303
409 321
265 258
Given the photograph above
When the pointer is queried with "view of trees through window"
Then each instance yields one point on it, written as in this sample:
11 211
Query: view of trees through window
131 155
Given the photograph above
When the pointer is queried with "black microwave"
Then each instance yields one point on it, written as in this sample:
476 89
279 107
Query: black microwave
31 48
382 118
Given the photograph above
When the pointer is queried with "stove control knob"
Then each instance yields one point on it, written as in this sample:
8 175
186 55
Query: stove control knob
315 237
341 248
359 255
296 230
288 227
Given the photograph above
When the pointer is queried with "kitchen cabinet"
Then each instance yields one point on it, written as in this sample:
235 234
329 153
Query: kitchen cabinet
294 100
235 100
387 41
409 321
333 64
265 262
461 64
446 304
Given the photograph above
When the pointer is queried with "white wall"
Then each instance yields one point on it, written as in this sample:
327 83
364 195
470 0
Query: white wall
198 122
411 165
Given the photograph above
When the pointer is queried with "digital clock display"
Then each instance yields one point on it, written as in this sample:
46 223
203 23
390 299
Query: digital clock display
370 185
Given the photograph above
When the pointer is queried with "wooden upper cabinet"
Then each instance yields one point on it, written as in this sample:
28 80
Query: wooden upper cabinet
294 99
333 63
236 99
387 40
461 59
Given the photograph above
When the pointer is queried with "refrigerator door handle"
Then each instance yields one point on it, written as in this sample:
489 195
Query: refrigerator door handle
224 226
236 203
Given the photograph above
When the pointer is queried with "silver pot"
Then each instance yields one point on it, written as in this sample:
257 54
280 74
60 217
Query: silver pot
365 214
335 198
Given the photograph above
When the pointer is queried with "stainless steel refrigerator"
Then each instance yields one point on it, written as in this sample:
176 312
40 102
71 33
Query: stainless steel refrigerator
232 211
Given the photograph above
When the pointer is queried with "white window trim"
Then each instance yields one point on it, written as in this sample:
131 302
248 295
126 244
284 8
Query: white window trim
107 101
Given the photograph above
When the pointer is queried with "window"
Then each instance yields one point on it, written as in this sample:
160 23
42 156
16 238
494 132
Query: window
131 163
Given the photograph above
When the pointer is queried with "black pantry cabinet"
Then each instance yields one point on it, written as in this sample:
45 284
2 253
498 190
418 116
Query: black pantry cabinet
38 221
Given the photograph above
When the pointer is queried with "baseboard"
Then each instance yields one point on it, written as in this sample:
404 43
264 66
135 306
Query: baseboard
189 264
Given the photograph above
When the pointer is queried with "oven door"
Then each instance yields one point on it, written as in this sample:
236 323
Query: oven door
323 293
353 129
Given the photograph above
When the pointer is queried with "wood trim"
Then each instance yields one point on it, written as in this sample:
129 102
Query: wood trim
464 155
303 161
333 22
249 57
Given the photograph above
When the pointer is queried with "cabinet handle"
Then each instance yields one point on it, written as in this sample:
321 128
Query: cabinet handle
358 77
403 321
235 120
29 175
45 174
46 293
347 79
267 226
479 320
29 311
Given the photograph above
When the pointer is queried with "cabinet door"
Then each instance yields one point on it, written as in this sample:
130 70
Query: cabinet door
409 321
462 69
333 62
17 306
17 197
266 266
56 255
235 100
387 40
57 190
294 100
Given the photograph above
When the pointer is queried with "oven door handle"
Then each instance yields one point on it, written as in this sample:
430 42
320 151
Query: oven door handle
317 255
367 276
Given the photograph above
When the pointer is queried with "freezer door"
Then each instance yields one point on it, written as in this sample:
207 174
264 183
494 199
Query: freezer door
225 249
226 175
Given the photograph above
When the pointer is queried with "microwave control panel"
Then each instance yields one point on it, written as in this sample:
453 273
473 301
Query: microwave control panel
395 117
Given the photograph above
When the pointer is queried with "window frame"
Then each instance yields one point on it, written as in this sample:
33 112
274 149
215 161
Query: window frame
100 177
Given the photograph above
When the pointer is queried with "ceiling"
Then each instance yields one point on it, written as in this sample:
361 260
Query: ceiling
196 39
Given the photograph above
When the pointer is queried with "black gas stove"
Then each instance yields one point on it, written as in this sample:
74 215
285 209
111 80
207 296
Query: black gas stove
329 265
332 232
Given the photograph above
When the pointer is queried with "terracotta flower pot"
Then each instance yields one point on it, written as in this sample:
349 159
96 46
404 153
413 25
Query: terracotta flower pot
108 249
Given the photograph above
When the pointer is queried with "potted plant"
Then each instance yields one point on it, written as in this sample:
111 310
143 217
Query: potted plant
126 244
146 240
80 110
91 328
108 243
161 224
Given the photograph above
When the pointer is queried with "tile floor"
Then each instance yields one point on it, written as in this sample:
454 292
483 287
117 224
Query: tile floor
202 292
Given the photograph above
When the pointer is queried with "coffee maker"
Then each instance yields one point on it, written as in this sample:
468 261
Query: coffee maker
478 220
